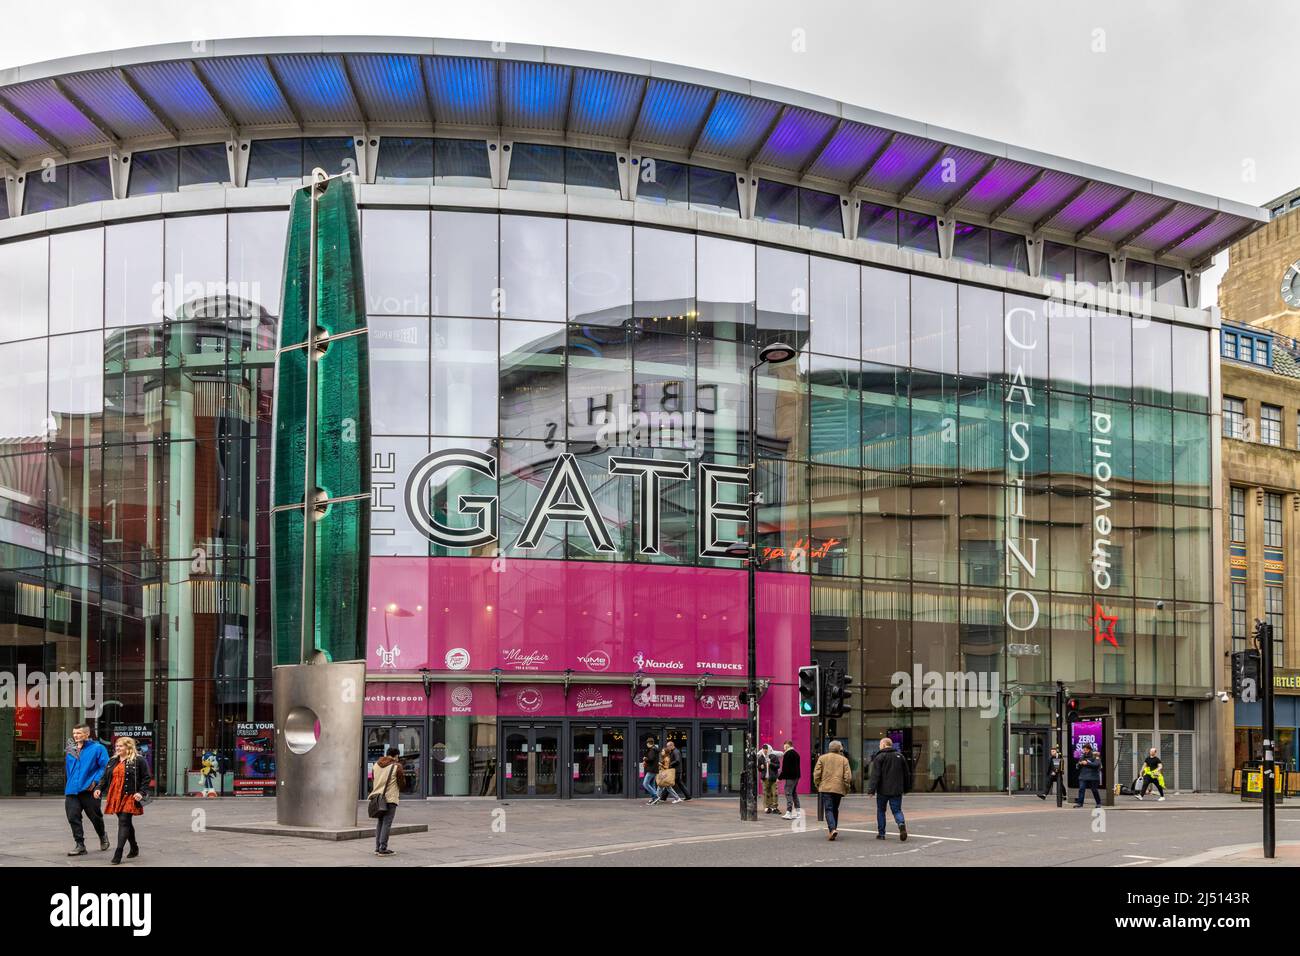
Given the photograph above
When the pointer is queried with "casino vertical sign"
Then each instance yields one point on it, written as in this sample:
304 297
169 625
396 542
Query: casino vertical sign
1023 341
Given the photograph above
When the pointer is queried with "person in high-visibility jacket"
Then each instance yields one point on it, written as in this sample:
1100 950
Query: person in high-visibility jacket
1152 772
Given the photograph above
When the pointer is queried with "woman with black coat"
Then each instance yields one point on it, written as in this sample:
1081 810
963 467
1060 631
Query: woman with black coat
125 780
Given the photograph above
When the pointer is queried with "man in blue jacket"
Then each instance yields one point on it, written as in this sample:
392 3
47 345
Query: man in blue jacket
1089 774
84 763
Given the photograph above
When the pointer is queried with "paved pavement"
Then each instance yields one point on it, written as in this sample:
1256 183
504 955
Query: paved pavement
958 830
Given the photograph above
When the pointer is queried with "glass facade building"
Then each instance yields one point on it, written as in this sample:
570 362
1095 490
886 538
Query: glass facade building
967 473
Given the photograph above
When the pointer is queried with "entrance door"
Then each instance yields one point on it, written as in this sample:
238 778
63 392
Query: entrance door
722 750
598 759
530 760
408 738
680 735
1029 749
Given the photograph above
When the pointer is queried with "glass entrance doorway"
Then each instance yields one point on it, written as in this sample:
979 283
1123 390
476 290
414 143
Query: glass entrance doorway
680 735
408 738
722 750
530 760
598 757
1029 750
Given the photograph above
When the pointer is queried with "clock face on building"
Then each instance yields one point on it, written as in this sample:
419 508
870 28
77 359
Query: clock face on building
1291 285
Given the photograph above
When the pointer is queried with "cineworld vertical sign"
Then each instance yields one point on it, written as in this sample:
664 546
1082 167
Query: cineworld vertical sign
1023 342
565 497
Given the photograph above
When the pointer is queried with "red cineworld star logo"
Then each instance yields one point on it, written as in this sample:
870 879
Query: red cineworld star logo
1103 625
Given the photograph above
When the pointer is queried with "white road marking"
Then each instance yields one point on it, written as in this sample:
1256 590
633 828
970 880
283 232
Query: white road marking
915 836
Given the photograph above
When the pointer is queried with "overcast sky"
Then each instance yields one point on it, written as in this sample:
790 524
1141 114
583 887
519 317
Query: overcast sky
1198 93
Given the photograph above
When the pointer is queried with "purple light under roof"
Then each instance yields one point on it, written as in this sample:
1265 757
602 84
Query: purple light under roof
178 92
1094 201
965 165
1002 181
1042 196
1125 220
17 139
1181 218
798 132
105 92
1217 232
56 113
900 163
671 113
847 152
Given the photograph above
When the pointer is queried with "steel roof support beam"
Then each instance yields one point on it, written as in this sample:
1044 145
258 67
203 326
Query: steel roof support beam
704 122
57 146
1061 206
7 160
1014 198
150 104
352 92
936 157
284 93
1091 226
870 164
767 135
424 87
1164 211
965 191
1186 234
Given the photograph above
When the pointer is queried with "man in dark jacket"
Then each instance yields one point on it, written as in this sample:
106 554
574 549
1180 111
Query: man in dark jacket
1055 773
650 761
790 773
769 771
83 762
676 763
888 780
1089 765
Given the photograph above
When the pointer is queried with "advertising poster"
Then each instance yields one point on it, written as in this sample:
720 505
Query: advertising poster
255 759
1085 732
143 735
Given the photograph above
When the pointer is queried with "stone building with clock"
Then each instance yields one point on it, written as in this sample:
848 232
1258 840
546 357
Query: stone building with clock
1259 298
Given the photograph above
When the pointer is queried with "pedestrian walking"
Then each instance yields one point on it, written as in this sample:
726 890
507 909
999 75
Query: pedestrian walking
389 779
125 779
938 769
84 761
682 784
650 769
670 762
790 774
769 771
1055 769
888 779
832 776
1153 773
1089 765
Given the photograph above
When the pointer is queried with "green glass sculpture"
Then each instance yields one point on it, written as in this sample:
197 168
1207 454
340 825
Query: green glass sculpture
320 471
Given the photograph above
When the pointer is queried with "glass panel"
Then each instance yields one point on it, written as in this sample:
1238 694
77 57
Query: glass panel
154 171
713 190
395 249
970 243
205 165
782 297
461 162
1058 261
399 375
886 420
133 272
76 386
76 281
663 280
272 161
24 289
934 423
918 232
600 272
1007 251
835 300
663 182
1093 267
537 167
532 380
835 539
1191 378
194 267
45 189
255 276
464 263
1071 361
886 307
465 364
934 324
1152 362
878 224
591 172
980 332
599 381
1192 459
776 202
22 393
405 159
1169 286
820 211
334 154
533 267
726 288
1112 355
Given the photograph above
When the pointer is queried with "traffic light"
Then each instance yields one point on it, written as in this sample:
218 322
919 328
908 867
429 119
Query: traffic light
1071 711
838 694
1245 676
810 691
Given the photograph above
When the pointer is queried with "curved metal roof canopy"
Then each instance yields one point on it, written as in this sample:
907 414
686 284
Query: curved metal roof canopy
155 95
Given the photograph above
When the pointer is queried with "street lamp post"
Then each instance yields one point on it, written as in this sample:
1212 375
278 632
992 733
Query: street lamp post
774 354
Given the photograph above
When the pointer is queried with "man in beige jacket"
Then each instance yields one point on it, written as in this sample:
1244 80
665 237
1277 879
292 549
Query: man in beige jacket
832 776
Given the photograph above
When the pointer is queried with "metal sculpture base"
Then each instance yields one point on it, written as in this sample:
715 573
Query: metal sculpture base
318 833
318 708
